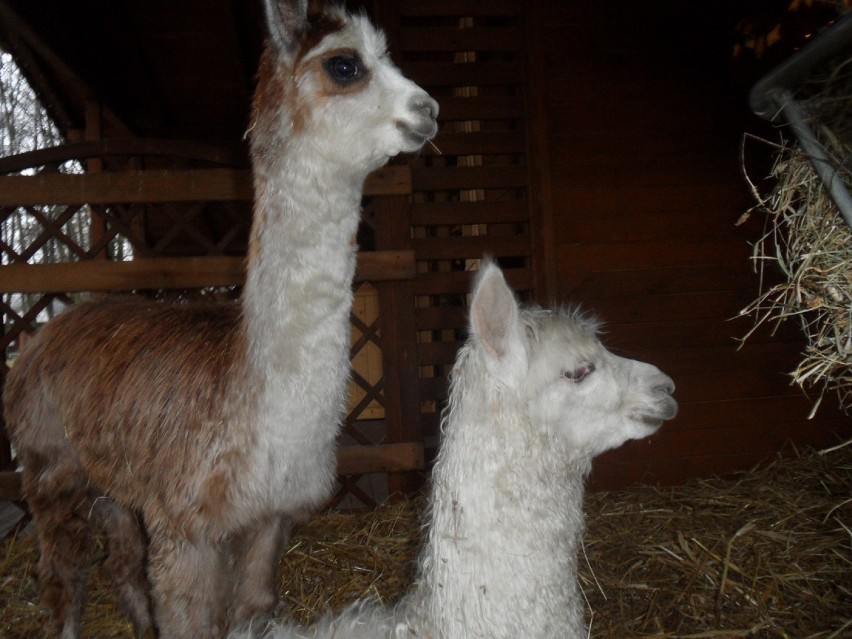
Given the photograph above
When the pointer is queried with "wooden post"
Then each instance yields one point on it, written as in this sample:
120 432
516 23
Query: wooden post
399 340
5 446
538 160
93 132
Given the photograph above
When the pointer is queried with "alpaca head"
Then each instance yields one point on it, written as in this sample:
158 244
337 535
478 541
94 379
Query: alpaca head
552 367
327 87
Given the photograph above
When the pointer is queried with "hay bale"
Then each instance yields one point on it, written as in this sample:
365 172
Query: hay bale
808 239
766 554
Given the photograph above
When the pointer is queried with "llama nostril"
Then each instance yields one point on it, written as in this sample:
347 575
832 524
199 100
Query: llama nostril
426 105
666 386
669 389
423 124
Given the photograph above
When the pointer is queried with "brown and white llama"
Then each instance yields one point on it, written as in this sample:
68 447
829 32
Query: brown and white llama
534 396
216 423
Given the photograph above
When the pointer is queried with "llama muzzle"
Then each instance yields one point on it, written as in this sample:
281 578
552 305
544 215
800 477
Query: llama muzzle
423 126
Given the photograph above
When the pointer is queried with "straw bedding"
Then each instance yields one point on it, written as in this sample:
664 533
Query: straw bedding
765 554
808 239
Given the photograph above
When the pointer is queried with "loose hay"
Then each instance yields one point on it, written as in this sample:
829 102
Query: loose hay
767 554
764 555
808 239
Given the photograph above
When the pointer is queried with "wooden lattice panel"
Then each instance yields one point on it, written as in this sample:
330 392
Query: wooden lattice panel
365 396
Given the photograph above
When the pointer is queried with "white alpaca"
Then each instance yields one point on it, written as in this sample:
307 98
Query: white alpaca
534 397
217 422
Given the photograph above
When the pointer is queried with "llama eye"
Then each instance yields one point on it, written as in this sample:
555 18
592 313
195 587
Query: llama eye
578 374
344 70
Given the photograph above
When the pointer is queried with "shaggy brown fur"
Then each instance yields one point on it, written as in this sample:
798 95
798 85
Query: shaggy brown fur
86 390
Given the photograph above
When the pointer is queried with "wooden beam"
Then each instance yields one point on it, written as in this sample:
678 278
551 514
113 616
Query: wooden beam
149 187
380 458
130 187
103 275
171 273
389 180
382 266
224 154
351 460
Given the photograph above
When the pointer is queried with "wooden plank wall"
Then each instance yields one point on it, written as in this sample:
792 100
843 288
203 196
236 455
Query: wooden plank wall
641 130
471 192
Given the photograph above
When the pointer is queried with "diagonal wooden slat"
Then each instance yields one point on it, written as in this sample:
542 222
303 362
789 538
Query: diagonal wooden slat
23 322
119 220
372 393
52 230
184 219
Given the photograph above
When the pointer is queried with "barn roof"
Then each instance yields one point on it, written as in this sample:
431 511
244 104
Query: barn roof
160 68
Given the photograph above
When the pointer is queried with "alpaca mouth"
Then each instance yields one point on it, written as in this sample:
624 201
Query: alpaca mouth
669 407
666 409
419 133
653 424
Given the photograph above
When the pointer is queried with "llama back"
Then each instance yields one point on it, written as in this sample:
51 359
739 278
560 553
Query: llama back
76 388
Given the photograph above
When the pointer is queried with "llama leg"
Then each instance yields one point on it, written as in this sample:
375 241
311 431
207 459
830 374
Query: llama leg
56 497
187 586
125 564
255 561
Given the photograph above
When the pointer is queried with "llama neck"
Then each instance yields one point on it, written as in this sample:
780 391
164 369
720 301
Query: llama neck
505 525
302 258
296 305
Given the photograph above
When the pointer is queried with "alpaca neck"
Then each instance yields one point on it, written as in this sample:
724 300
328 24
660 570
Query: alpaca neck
506 523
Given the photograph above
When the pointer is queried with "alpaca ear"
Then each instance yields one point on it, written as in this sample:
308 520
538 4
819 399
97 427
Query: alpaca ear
495 318
286 21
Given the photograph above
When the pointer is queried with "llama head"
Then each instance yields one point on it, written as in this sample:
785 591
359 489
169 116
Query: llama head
327 88
552 365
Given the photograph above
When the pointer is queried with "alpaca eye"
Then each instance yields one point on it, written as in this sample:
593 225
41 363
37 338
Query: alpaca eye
344 70
578 374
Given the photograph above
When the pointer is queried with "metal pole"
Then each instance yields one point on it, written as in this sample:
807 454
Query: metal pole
818 156
772 96
764 98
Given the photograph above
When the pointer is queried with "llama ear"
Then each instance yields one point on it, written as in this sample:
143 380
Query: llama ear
286 21
494 316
